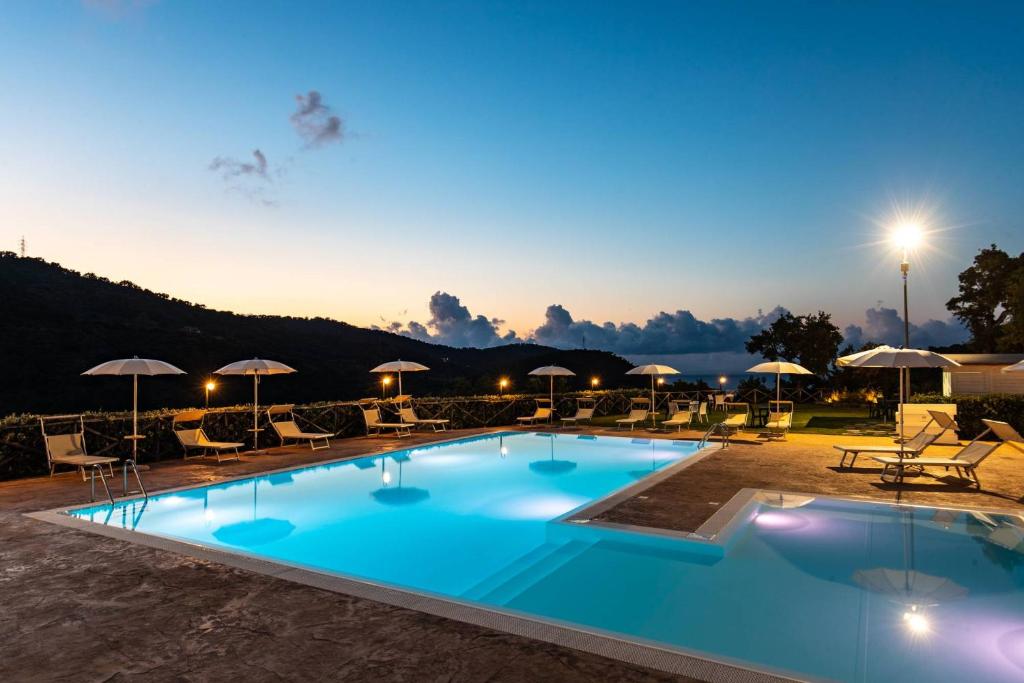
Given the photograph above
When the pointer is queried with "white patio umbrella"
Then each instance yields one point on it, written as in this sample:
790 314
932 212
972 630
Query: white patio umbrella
551 372
889 357
400 366
655 371
255 367
134 366
779 368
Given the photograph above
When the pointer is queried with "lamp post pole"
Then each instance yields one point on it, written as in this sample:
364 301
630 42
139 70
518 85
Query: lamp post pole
905 271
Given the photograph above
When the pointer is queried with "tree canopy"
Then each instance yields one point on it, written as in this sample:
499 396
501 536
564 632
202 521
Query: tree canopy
990 301
811 340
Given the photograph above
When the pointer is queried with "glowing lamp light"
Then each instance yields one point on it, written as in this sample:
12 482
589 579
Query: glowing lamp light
722 379
907 236
386 381
386 478
210 386
594 382
916 622
661 380
504 451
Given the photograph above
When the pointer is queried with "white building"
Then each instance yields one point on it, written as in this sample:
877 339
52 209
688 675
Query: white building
981 373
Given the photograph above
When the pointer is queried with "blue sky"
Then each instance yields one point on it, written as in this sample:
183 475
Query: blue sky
616 159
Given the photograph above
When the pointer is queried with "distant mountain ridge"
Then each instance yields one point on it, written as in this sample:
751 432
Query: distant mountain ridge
56 323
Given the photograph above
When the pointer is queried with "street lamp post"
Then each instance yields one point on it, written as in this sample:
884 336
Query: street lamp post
907 236
208 387
502 385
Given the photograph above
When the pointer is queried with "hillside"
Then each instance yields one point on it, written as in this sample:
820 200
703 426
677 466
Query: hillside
57 323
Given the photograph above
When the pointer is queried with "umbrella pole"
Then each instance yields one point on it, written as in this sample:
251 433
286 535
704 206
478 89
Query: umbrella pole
255 410
400 392
135 416
551 396
778 389
654 407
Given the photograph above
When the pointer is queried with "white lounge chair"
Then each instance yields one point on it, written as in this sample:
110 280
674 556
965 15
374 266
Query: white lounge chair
639 410
375 425
780 419
195 438
541 414
584 412
289 429
966 460
911 449
408 415
69 449
678 418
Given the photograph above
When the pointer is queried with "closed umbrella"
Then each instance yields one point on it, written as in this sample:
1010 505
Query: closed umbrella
135 366
889 357
552 371
255 367
779 368
654 371
400 366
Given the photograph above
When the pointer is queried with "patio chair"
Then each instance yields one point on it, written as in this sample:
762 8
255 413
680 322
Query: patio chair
719 401
584 412
780 419
541 414
408 415
911 449
69 449
289 428
375 425
966 460
702 412
195 438
639 410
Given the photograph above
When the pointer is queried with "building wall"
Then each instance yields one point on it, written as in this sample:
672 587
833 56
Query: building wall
981 379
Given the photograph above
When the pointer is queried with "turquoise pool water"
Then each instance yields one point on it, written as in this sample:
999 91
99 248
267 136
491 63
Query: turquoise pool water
822 588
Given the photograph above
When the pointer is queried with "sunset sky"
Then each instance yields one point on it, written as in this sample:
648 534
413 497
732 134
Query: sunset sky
617 160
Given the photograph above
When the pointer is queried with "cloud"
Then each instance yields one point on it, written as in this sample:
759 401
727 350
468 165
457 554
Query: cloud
232 168
315 122
251 179
885 326
451 323
679 332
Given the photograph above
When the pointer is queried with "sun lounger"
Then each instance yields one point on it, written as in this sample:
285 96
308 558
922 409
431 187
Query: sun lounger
409 416
69 449
289 428
541 414
638 412
195 438
678 418
584 413
966 460
780 419
375 425
911 449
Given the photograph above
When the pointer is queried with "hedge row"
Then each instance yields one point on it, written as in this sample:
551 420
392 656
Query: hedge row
971 409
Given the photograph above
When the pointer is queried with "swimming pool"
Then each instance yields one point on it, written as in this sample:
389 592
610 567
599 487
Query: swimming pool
821 588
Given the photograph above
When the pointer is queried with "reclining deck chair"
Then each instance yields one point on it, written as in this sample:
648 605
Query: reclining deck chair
639 410
541 414
289 429
911 448
780 419
69 449
729 427
966 460
408 415
195 438
376 425
584 412
677 416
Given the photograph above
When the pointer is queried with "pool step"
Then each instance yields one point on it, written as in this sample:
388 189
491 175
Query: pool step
521 576
512 569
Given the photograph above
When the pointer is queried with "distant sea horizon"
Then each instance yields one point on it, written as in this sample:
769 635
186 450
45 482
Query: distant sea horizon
694 367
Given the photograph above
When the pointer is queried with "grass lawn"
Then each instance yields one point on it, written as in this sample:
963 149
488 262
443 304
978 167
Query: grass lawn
809 419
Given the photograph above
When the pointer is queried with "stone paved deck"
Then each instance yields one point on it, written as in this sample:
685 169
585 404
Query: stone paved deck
77 606
80 607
